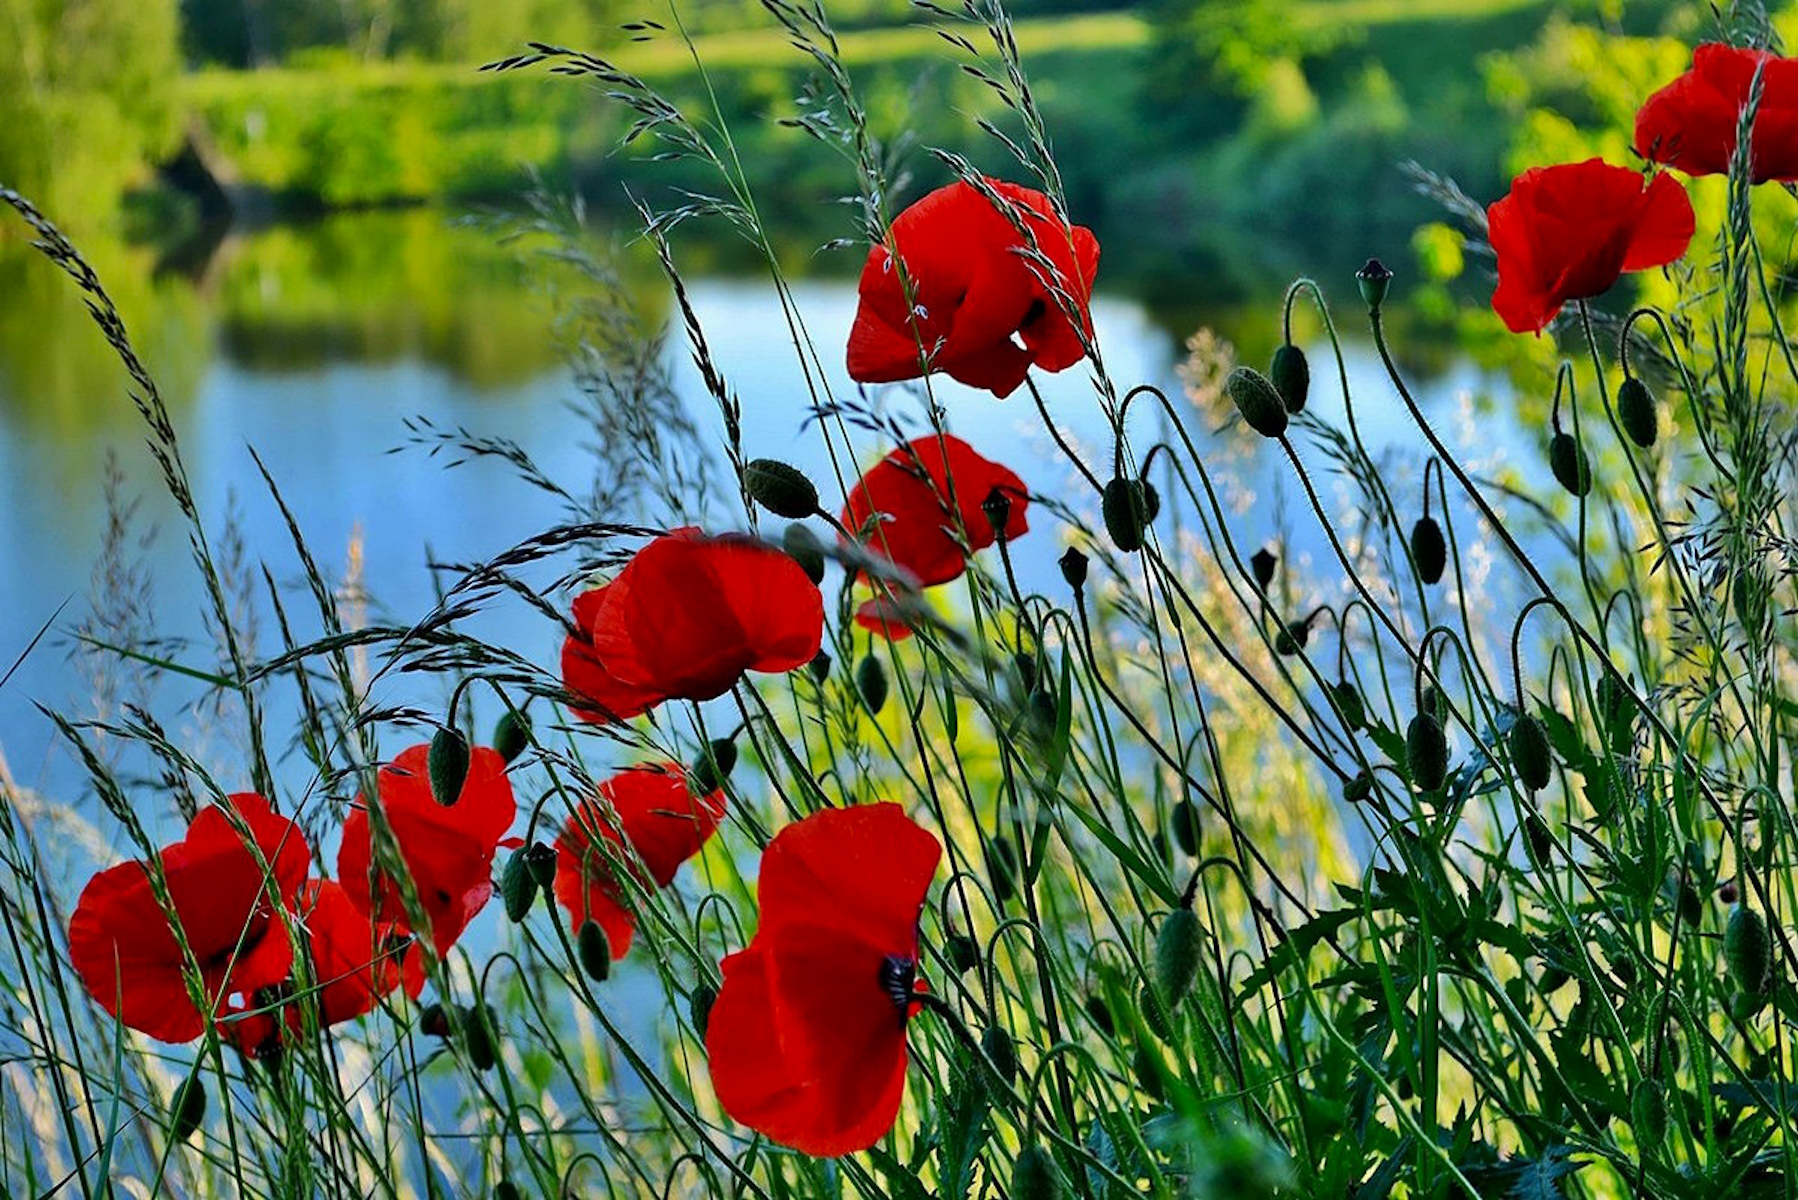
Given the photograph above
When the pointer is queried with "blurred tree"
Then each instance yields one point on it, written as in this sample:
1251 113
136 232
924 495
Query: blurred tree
1212 58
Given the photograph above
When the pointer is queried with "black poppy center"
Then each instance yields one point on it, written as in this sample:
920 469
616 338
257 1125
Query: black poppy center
897 974
1034 313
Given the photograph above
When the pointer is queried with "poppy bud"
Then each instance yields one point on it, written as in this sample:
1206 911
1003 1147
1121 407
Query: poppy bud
1257 400
188 1108
1125 506
819 667
1358 788
802 546
1002 868
1185 822
1434 702
962 951
1100 1012
1726 891
1035 1176
541 859
1155 1014
434 1020
1429 550
1748 950
448 764
1148 1071
1292 638
1636 412
781 489
505 1189
1177 955
512 734
871 682
477 1037
1073 568
1426 751
1348 700
595 950
1530 752
517 886
699 1006
1373 279
1536 836
1263 563
1567 459
712 767
997 507
1743 1005
1291 376
1002 1052
1648 1113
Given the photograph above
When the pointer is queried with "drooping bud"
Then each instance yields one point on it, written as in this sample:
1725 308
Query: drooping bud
1744 1005
803 547
1035 1176
595 950
1567 459
997 507
448 763
962 951
1100 1012
1358 788
1185 823
1262 563
505 1189
871 682
1073 568
1426 751
1155 1014
1002 868
541 859
1257 400
1348 700
1429 549
1125 507
819 667
1748 950
1374 280
1636 412
434 1020
1648 1114
518 886
477 1037
1530 752
1292 638
781 489
1291 376
1538 839
512 734
187 1108
699 1006
1002 1052
712 767
1177 946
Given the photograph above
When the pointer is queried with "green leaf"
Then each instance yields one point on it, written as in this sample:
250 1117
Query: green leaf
901 1183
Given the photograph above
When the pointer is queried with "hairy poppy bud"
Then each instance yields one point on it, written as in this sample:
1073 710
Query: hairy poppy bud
1429 549
1263 563
1257 400
1748 950
1537 837
187 1108
1648 1114
1434 702
1636 412
511 734
1292 638
1125 506
1148 1069
1073 568
1530 752
1002 1053
1744 1005
1348 700
1358 788
434 1020
505 1189
1185 822
1002 868
517 886
1177 955
1567 459
1155 1014
1291 376
871 682
962 951
541 859
1035 1176
803 547
447 762
1100 1012
595 950
699 1006
997 507
781 489
477 1037
1373 279
1727 892
1426 751
819 667
712 767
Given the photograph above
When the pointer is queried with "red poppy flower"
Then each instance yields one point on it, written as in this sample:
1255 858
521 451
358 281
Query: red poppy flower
979 310
126 952
645 813
1568 232
447 848
1691 123
684 619
353 965
917 504
807 1037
